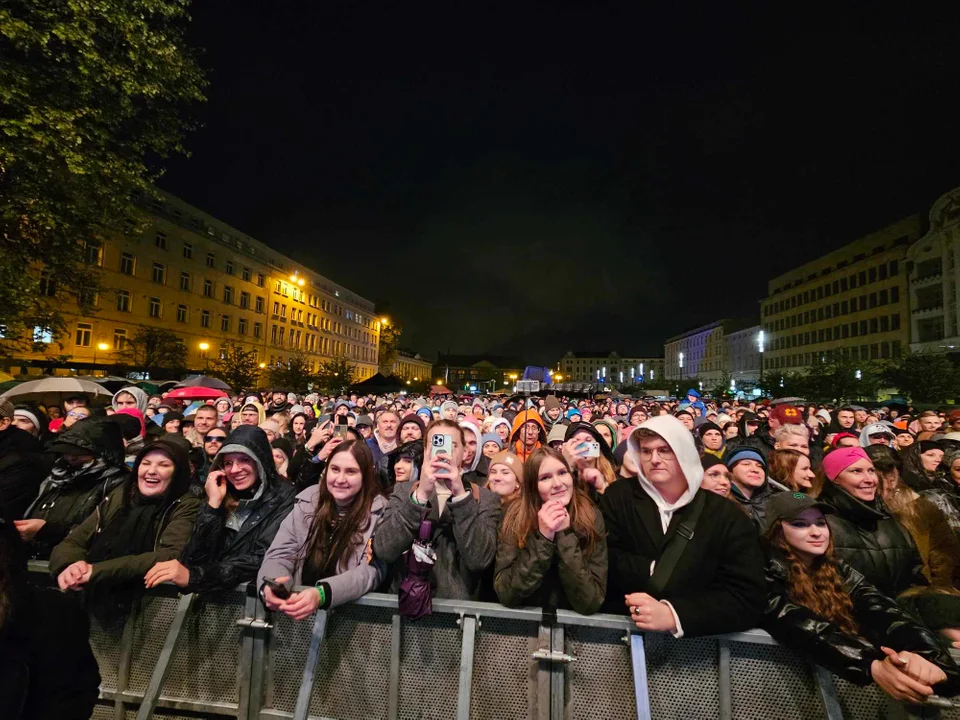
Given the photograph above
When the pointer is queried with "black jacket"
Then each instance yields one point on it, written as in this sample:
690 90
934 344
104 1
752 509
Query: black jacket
879 619
21 470
220 558
872 542
756 505
717 585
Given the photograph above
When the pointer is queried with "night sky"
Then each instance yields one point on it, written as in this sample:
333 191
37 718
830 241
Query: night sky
531 178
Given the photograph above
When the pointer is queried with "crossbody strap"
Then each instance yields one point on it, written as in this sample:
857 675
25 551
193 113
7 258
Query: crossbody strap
675 547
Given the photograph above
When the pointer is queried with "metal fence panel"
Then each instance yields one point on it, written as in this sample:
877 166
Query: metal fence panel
683 676
600 680
504 673
770 681
430 668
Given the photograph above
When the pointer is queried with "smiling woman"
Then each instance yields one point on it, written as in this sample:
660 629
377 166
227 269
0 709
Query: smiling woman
146 520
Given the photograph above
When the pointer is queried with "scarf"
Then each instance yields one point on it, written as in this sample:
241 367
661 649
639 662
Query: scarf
63 475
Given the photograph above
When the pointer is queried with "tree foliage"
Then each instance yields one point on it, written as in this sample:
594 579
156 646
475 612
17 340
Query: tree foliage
924 377
387 349
157 351
294 375
336 374
92 96
237 367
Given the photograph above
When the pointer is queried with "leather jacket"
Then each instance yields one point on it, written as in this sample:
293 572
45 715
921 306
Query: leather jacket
879 619
869 539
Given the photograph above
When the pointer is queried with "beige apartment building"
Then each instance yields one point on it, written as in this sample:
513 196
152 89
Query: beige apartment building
210 283
851 303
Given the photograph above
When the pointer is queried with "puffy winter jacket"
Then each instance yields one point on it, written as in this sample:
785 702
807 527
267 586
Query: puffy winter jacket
879 619
872 542
756 505
219 557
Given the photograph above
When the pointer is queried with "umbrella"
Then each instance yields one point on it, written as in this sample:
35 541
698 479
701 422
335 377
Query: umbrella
112 382
204 381
440 390
52 390
195 393
5 377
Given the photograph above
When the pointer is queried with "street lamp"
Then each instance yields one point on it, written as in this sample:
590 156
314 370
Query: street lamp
385 321
102 347
440 381
263 366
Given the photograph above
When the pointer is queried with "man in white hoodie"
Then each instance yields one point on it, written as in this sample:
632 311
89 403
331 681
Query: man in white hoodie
717 583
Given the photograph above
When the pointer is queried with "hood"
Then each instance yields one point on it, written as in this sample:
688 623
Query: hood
522 419
471 428
681 442
495 422
252 442
874 429
260 411
573 428
100 438
178 450
742 423
139 395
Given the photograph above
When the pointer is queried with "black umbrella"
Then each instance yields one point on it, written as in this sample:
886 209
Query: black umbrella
204 381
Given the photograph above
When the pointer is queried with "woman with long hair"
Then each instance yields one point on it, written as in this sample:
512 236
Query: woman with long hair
552 550
792 468
146 520
827 612
324 543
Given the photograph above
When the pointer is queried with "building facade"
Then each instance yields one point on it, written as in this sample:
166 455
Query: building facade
410 365
744 356
851 303
701 352
483 372
180 269
609 368
933 264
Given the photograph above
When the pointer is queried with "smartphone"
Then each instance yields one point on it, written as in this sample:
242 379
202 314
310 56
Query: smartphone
279 590
340 431
442 444
590 449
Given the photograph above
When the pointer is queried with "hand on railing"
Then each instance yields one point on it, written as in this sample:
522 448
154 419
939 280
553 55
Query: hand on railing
75 576
297 606
650 614
168 571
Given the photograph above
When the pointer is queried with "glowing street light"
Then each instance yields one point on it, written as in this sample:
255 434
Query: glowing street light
204 346
263 366
681 360
102 346
385 321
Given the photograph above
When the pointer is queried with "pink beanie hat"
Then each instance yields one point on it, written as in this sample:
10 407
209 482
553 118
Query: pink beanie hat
836 461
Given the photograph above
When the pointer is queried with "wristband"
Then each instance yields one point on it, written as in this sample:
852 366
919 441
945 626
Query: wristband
322 594
325 595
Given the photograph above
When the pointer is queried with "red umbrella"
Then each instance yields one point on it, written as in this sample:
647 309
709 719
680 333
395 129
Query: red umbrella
195 393
440 390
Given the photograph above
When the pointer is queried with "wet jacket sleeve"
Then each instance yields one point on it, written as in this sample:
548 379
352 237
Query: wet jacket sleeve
736 592
475 526
520 571
355 582
811 636
75 545
582 575
283 553
172 540
398 526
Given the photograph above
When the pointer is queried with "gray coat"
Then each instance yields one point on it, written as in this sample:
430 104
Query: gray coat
464 538
285 556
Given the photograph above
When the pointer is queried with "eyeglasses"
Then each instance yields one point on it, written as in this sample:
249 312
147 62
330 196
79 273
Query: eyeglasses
76 414
214 438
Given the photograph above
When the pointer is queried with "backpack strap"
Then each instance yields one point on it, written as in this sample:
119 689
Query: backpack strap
675 547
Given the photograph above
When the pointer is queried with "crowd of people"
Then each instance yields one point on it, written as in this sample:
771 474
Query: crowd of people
835 528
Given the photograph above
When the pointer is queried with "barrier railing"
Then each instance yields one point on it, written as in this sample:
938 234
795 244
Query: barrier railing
224 656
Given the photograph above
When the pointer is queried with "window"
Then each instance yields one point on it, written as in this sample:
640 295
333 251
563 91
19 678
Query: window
185 281
259 304
260 280
123 300
895 294
874 325
181 313
862 278
853 329
161 240
884 323
257 329
280 336
245 300
225 323
127 263
283 311
873 300
159 273
242 326
894 268
883 272
155 307
205 318
884 297
228 268
208 288
84 331
187 251
273 334
276 307
228 294
863 327
93 253
119 339
211 259
895 322
48 288
245 274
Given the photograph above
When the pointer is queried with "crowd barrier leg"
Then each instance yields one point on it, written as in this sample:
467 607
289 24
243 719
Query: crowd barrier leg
828 693
468 626
393 691
557 674
638 659
162 668
302 708
250 682
723 680
126 658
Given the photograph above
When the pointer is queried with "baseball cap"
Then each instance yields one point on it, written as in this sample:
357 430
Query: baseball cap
787 505
787 415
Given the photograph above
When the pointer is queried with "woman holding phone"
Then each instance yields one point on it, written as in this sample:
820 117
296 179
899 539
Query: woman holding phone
552 550
589 456
324 543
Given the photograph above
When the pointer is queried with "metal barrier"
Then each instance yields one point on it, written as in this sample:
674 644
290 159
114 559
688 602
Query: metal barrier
225 657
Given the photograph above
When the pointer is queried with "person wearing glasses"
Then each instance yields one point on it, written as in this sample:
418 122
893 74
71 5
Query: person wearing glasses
213 440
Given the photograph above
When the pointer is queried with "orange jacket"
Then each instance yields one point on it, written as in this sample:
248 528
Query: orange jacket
519 421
